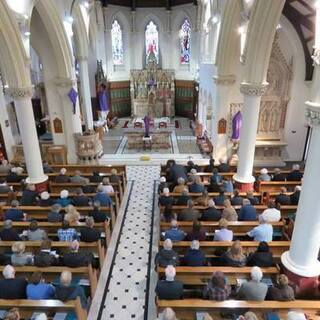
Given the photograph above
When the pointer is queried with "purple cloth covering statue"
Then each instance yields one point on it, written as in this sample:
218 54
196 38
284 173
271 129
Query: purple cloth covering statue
103 100
236 126
73 94
146 121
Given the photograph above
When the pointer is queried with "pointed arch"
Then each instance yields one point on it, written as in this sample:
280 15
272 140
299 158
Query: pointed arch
117 43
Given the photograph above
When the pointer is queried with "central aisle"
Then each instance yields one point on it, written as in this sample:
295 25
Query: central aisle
125 291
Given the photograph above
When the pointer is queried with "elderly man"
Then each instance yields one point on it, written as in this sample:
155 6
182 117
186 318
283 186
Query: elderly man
62 177
189 214
66 291
295 196
29 196
263 232
12 287
181 186
254 289
174 234
163 184
194 257
278 176
13 213
75 259
264 176
183 198
77 178
212 213
89 233
295 174
103 198
15 175
5 167
4 187
165 199
247 212
271 214
282 198
169 289
80 199
45 200
8 233
166 256
64 200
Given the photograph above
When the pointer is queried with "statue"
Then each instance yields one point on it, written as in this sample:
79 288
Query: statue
103 106
146 121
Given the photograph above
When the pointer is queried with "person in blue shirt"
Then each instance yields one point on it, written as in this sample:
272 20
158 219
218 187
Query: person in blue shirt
64 200
216 177
196 186
13 213
37 289
247 212
219 200
174 234
194 257
102 197
263 232
227 185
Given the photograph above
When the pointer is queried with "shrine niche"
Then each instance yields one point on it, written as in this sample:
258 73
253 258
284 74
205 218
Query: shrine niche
152 91
222 126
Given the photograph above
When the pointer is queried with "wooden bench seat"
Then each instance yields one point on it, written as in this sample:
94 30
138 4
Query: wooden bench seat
275 186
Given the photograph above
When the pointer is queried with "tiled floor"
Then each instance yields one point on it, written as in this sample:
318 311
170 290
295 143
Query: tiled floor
127 286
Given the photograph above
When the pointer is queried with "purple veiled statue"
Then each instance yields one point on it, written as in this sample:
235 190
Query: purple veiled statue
73 95
146 121
236 126
103 98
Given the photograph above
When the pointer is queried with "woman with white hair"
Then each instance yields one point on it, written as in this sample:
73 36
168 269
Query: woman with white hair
64 200
45 200
264 176
181 186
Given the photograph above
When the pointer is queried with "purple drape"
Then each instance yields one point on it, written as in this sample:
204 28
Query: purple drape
73 95
103 100
236 126
146 121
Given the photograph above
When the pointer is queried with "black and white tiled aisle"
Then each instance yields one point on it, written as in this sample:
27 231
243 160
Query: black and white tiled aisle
123 290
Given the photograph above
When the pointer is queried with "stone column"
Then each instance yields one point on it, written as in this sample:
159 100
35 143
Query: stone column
28 133
220 110
251 104
85 90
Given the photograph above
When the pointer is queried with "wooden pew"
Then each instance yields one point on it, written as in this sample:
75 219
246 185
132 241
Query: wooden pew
51 273
186 309
34 247
209 247
200 276
28 307
275 186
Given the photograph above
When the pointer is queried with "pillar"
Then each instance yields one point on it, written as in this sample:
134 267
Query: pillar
28 133
250 114
220 110
85 90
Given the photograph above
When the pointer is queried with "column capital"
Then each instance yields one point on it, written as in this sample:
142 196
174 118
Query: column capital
253 89
225 80
20 93
312 114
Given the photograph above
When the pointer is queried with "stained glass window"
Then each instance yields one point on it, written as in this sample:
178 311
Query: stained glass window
117 44
152 42
185 38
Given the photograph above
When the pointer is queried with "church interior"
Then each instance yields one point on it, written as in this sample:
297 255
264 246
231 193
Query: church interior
157 159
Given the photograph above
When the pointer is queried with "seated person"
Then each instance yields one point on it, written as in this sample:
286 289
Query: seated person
19 257
35 233
295 196
217 288
62 177
77 178
64 200
71 215
234 257
194 256
223 166
166 256
295 174
219 200
253 200
169 289
46 257
102 197
249 315
29 196
196 186
174 234
254 289
168 215
191 165
216 178
169 314
12 287
46 167
184 198
95 178
227 185
264 176
196 233
65 233
282 198
236 200
229 213
89 233
210 167
223 234
281 291
114 177
181 186
66 291
247 212
75 258
97 214
45 200
165 198
4 187
163 184
203 199
8 233
176 171
15 175
106 185
37 289
296 315
278 176
80 199
87 187
271 214
13 213
263 232
5 167
54 215
262 257
189 214
212 213
13 314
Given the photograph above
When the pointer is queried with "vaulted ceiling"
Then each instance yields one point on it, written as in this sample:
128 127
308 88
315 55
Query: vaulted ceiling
148 3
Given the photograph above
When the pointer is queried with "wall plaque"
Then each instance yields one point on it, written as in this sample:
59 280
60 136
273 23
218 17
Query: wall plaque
57 125
222 126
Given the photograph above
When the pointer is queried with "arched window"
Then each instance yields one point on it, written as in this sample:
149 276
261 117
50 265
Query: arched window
152 42
184 39
117 43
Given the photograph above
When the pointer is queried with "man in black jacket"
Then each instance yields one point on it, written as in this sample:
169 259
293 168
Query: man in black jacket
278 176
294 197
295 174
8 233
211 214
80 199
12 287
166 256
282 198
46 258
75 259
89 233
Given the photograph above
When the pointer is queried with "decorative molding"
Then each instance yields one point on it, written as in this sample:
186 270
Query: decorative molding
224 80
65 82
82 58
20 93
316 57
312 114
253 89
